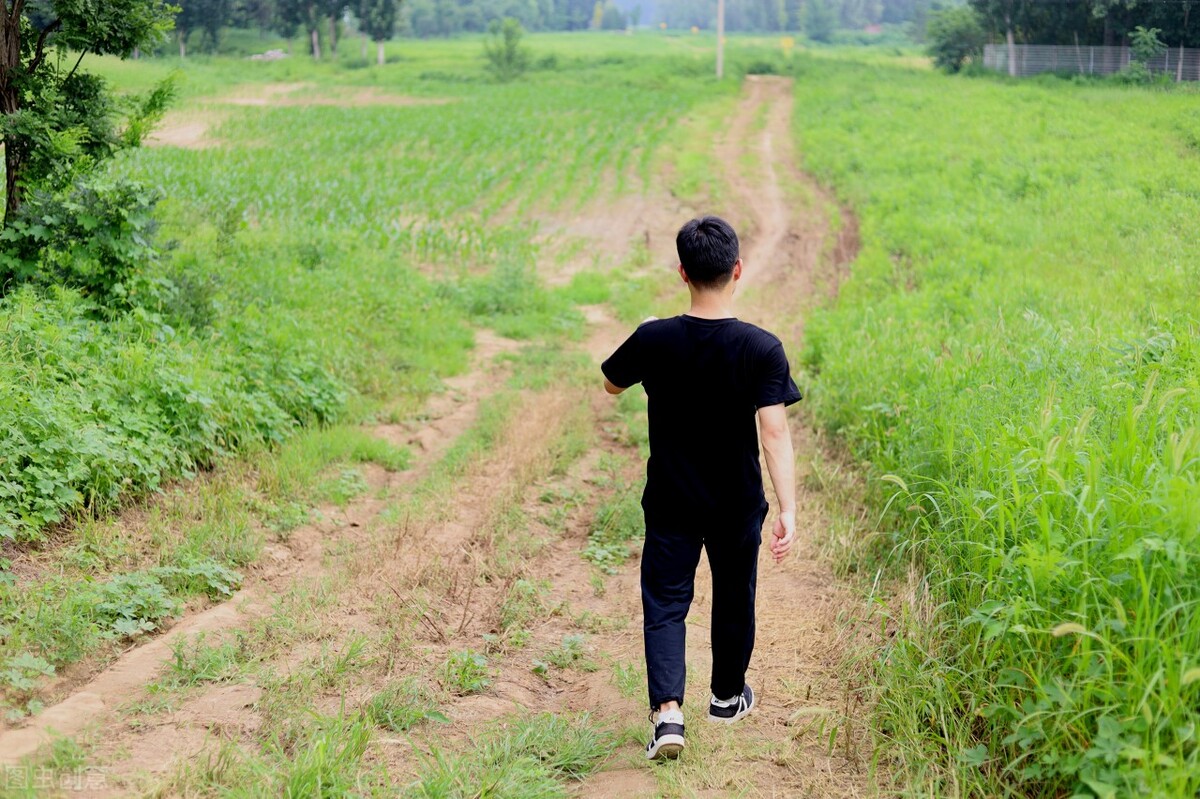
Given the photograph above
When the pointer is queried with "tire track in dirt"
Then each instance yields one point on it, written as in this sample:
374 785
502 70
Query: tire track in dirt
301 555
428 579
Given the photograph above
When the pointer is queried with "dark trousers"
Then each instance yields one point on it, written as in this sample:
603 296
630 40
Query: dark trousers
669 561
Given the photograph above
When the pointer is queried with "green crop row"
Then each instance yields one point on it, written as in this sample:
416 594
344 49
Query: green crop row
1017 355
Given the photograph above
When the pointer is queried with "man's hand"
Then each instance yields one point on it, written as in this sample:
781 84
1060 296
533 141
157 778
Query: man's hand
785 532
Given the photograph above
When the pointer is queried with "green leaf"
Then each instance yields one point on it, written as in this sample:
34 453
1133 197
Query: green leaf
1103 790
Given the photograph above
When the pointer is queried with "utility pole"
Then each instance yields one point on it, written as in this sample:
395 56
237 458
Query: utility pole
720 39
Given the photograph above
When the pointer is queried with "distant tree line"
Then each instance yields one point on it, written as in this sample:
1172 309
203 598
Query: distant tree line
817 18
1088 22
321 23
957 34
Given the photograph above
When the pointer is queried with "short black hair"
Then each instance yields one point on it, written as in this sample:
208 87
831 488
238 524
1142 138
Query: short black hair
708 249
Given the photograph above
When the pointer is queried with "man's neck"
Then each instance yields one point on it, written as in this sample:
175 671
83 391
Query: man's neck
711 305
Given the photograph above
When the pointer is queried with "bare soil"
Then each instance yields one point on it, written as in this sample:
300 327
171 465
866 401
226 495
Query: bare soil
189 129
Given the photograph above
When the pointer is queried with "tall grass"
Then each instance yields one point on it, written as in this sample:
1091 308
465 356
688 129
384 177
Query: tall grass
1016 353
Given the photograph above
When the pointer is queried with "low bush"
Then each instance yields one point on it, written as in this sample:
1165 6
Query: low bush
95 410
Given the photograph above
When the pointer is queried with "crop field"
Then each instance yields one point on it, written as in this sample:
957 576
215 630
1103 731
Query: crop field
336 507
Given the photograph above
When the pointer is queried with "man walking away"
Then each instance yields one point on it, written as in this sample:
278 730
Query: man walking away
707 376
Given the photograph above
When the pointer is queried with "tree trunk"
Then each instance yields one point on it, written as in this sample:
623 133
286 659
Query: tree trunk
333 35
10 103
379 56
362 50
182 44
1012 46
315 35
1187 11
1108 42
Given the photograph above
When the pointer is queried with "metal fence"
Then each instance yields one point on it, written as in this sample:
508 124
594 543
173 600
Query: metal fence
1032 59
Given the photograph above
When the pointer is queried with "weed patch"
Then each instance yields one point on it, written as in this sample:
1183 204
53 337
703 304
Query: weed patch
466 672
618 523
401 707
521 758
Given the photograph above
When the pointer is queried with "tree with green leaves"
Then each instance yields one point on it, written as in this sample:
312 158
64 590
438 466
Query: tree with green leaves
377 18
820 20
54 118
305 15
1005 15
334 9
955 37
208 16
1145 44
252 14
613 18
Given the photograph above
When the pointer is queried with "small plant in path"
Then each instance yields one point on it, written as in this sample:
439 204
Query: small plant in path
401 707
466 672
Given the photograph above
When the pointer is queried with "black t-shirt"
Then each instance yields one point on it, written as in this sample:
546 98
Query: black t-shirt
705 380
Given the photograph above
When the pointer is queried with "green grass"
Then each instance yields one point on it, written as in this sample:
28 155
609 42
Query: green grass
196 662
60 766
1015 354
571 654
326 760
530 757
401 707
617 524
466 672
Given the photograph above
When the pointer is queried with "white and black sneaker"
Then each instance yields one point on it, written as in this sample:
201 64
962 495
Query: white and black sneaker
727 711
666 742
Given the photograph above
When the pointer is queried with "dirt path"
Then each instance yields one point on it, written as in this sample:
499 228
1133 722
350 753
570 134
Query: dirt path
485 558
788 747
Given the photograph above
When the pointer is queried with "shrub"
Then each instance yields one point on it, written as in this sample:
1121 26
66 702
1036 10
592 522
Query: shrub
507 58
96 236
955 38
94 409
